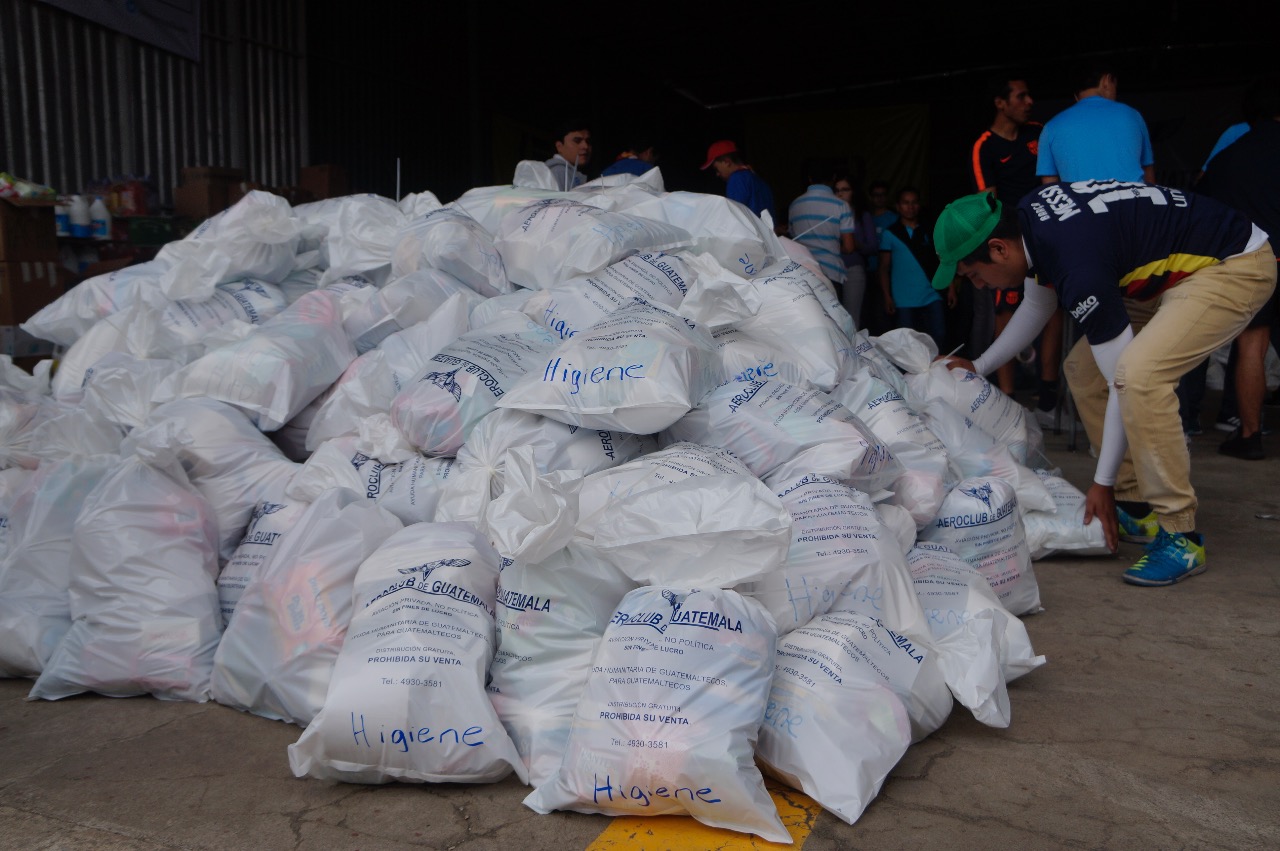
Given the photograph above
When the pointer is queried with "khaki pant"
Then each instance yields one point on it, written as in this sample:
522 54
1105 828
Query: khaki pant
1173 335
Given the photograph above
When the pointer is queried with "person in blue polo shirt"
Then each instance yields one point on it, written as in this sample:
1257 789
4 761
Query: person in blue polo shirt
1088 246
741 183
1097 138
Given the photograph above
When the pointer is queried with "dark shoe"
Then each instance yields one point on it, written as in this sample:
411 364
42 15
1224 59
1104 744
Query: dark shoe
1248 448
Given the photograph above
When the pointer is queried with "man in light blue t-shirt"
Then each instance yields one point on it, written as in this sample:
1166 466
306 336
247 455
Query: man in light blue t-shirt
1097 139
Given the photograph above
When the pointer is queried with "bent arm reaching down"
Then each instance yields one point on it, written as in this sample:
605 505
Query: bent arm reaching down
1030 317
1114 441
1100 500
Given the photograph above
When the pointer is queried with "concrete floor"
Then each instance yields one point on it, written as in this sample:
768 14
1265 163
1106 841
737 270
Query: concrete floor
1155 724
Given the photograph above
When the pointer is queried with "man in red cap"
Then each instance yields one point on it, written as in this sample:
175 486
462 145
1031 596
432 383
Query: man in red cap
742 184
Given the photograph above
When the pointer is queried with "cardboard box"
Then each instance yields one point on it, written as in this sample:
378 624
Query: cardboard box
324 181
27 230
202 199
25 287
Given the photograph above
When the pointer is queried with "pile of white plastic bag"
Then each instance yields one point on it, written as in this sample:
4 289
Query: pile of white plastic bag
599 488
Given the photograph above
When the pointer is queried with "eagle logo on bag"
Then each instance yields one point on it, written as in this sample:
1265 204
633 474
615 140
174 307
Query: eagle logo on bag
446 382
432 566
263 510
982 492
670 597
419 583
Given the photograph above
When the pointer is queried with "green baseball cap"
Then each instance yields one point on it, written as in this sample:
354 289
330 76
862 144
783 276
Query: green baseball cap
964 225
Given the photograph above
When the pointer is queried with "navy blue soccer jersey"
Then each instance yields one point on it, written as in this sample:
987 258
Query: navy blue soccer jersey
1096 242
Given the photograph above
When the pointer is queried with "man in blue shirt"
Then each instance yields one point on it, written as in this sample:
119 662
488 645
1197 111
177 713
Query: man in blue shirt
1089 246
637 159
742 184
1097 139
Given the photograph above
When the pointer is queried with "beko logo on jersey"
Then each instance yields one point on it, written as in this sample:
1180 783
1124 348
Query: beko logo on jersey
1084 308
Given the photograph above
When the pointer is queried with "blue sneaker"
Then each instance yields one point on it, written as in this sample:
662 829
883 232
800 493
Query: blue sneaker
1170 558
1137 530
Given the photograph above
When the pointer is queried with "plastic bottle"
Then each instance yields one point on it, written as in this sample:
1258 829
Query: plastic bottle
100 219
79 213
62 216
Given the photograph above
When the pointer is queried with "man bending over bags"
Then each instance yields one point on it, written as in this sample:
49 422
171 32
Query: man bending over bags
1108 251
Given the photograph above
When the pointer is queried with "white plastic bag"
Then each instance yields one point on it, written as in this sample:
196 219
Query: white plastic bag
489 204
868 650
779 429
551 615
556 447
450 240
555 598
979 521
372 381
166 332
465 381
579 303
974 453
403 303
638 370
257 237
954 594
926 475
235 466
781 310
275 372
277 655
22 417
796 279
144 605
832 735
659 732
841 558
360 230
12 481
725 229
747 357
409 489
678 517
1063 530
120 389
558 238
72 314
415 205
979 400
407 699
35 575
270 521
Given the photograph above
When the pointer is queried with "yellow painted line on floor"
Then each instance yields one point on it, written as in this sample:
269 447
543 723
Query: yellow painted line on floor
799 813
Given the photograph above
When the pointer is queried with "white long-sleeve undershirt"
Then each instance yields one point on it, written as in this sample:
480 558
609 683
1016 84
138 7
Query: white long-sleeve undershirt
1114 441
1037 308
1038 305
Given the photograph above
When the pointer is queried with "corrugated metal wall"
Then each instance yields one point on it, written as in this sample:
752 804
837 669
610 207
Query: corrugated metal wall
79 102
